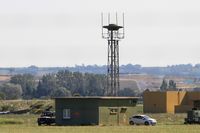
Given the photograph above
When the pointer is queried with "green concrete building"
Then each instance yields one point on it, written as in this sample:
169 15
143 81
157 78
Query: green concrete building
94 110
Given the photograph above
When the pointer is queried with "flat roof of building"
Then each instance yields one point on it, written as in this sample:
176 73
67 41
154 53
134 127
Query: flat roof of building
95 97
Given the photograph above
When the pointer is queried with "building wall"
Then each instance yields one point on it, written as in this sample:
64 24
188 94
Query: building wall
169 101
125 109
94 111
154 102
174 98
192 96
83 111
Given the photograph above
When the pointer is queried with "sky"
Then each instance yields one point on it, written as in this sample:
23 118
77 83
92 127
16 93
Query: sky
51 33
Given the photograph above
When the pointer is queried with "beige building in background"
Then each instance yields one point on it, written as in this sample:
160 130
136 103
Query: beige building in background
169 101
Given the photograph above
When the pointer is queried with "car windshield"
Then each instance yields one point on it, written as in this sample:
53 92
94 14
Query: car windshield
146 117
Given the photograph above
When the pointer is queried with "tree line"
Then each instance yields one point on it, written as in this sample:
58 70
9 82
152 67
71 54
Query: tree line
62 83
175 70
168 86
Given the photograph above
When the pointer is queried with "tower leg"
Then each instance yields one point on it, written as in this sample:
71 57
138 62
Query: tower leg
113 67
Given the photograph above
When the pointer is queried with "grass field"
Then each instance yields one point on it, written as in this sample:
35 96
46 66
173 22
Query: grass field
98 129
167 123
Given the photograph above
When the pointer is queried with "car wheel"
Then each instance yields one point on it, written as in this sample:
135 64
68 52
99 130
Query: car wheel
146 123
39 124
131 123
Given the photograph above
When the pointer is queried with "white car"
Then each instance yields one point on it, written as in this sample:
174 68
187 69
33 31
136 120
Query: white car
142 120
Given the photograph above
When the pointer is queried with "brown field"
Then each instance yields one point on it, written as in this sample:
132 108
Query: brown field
4 78
140 81
153 82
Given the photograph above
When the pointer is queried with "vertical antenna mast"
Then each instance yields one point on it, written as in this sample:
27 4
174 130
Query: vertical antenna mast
108 18
123 34
102 24
113 36
116 19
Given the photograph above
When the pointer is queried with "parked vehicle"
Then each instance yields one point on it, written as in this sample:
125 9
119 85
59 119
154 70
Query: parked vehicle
4 112
46 120
47 117
193 116
142 120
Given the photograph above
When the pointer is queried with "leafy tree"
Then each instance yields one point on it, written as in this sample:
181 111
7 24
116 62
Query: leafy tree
65 79
11 91
78 83
82 84
168 86
27 82
60 92
73 81
63 83
164 85
2 96
46 85
172 85
129 92
94 84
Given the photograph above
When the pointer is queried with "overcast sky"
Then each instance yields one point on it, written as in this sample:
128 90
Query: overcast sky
68 32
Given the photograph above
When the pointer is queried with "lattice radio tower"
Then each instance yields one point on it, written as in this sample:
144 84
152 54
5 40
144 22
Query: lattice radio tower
113 33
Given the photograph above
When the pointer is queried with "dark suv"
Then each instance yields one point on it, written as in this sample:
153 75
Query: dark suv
46 118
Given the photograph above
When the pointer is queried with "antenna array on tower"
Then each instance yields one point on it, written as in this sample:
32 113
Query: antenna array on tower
113 33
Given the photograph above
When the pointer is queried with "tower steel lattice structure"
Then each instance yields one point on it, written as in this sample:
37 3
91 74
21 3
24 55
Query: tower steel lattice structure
113 33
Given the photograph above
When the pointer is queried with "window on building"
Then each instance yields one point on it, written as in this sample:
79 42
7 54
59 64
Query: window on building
113 110
132 102
123 110
66 114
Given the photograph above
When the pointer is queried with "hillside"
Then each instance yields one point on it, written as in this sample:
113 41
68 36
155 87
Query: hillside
153 82
4 78
31 106
144 81
174 70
